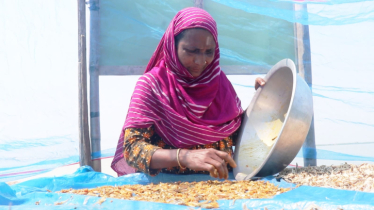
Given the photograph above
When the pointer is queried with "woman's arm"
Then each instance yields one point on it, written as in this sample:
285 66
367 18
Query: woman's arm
164 158
142 155
137 149
210 160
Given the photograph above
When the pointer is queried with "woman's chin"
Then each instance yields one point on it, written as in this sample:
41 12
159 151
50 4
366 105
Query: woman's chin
195 73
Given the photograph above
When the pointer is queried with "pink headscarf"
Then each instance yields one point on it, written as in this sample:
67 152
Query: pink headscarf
185 111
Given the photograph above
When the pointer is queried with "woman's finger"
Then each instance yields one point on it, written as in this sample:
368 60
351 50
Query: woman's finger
222 172
222 161
214 174
259 82
227 158
226 169
212 170
223 164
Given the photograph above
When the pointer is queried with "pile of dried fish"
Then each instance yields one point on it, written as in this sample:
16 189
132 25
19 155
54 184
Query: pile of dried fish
196 194
345 176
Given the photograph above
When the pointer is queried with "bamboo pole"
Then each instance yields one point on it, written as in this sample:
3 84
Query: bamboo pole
304 66
84 138
94 81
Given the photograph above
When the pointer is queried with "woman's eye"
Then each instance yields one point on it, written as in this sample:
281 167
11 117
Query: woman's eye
209 52
196 51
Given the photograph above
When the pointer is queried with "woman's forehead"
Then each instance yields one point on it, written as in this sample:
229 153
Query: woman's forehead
198 37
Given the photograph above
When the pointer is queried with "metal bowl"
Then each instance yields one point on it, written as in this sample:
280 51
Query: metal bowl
275 123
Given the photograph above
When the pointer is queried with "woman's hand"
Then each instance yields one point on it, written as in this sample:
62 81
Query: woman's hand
259 82
211 160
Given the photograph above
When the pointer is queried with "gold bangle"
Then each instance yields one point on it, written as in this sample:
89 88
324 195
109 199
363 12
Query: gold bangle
178 160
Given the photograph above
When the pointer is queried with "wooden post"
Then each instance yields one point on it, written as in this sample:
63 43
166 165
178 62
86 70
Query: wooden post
84 138
199 3
304 66
94 81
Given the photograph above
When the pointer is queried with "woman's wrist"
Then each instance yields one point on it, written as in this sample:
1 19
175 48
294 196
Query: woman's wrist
178 159
183 158
164 158
167 158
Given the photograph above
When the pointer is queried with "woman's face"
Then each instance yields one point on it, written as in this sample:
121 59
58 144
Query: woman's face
196 50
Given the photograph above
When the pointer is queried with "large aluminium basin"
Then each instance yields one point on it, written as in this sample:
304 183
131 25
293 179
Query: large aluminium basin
275 123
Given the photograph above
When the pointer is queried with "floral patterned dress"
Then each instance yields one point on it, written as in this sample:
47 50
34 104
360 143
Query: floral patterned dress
140 144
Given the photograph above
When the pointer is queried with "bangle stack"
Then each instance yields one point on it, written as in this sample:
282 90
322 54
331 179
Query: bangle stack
178 160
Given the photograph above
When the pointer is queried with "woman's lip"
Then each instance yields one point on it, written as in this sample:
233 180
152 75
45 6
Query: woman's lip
196 70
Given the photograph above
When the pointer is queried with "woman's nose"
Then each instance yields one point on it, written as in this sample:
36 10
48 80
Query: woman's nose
200 60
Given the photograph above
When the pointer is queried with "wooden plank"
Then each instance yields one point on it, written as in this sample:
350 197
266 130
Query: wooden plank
121 70
139 70
84 138
303 64
94 80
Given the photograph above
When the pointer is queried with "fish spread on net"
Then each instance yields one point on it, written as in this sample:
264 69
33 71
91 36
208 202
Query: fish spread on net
345 176
196 194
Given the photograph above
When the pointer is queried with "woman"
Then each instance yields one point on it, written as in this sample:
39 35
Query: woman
184 111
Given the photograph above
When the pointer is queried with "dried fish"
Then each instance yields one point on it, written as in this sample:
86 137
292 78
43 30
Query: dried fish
195 194
61 202
233 202
313 207
101 200
345 176
86 200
